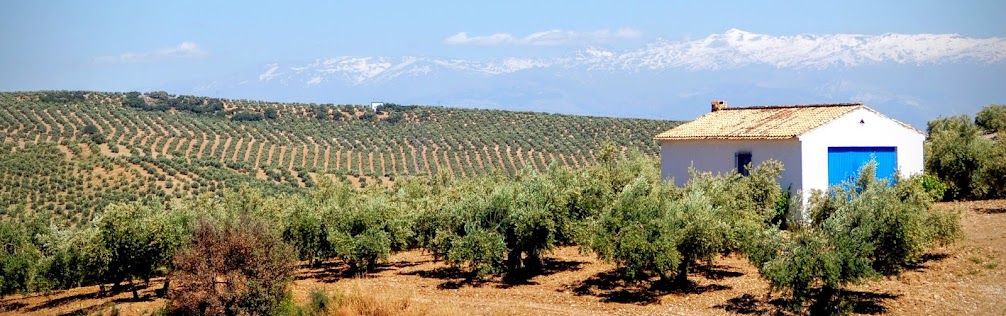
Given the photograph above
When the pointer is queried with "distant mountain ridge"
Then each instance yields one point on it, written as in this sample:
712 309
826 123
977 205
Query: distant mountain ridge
734 48
891 72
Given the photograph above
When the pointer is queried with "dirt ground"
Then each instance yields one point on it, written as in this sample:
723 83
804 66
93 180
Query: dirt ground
963 279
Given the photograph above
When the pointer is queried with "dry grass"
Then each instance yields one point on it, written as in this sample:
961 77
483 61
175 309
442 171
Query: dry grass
353 301
359 303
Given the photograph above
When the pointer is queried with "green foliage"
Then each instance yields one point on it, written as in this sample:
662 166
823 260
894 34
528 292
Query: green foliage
306 231
243 116
18 259
271 113
135 241
639 233
90 129
653 228
860 230
63 96
366 230
932 185
334 220
971 165
492 225
992 118
479 250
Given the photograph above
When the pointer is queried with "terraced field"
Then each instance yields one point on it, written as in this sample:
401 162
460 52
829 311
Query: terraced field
100 147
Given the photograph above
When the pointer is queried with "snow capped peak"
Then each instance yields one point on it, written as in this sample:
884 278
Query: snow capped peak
737 33
737 48
268 74
732 49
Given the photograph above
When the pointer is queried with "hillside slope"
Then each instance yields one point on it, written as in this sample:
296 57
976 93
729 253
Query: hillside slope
131 146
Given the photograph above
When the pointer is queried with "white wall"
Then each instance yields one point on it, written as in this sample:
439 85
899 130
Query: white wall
876 130
718 156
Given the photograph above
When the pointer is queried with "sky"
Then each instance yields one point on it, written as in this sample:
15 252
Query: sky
148 45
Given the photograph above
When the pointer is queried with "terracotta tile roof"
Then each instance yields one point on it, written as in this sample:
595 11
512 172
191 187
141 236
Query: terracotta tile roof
760 122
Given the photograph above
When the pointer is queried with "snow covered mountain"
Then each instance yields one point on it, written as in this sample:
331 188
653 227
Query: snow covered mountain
664 79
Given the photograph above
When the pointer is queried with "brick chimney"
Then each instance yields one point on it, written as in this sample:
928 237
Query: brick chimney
718 105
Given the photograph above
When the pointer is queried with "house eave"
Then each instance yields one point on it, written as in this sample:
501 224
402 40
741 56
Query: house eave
727 138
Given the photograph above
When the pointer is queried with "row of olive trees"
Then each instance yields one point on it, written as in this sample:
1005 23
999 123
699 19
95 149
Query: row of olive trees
126 242
225 255
619 209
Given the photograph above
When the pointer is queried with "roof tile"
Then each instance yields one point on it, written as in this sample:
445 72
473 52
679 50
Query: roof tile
760 122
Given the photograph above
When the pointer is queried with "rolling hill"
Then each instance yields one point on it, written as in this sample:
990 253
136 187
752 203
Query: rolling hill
73 152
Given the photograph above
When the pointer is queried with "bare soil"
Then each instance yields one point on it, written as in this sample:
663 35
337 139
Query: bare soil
964 279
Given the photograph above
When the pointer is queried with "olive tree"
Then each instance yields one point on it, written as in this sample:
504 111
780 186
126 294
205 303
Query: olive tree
136 241
655 229
861 230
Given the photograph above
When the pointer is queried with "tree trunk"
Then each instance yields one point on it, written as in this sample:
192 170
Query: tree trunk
682 277
136 295
827 301
513 260
167 283
533 262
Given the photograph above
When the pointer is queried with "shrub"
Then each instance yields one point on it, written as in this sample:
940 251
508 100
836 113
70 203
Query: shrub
18 257
933 186
992 118
366 230
134 243
491 225
270 113
971 165
860 231
639 233
306 231
237 266
77 258
653 228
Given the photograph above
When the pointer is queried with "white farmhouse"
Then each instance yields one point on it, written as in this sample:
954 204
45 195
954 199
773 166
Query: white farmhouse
819 145
376 106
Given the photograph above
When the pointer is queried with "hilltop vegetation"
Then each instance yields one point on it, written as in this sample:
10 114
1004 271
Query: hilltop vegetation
100 148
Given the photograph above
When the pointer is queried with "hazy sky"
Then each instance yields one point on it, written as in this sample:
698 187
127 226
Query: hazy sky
127 45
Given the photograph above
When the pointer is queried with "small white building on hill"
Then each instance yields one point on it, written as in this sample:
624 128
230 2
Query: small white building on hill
819 145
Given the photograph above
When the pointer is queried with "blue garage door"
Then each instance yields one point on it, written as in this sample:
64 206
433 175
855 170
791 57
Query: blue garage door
844 162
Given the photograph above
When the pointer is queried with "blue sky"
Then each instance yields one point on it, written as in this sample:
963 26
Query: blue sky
141 45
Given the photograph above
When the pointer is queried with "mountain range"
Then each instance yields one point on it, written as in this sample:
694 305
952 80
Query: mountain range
912 77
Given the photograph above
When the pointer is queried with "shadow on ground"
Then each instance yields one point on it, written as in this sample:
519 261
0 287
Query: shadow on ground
13 306
455 278
334 270
57 302
845 302
327 271
991 210
610 287
927 259
550 266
